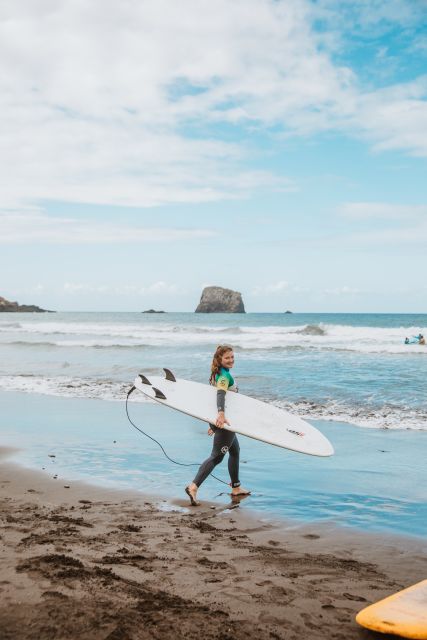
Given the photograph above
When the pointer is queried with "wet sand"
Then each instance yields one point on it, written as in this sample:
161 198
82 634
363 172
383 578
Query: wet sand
84 562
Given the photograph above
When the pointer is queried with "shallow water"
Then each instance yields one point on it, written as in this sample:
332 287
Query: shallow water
376 481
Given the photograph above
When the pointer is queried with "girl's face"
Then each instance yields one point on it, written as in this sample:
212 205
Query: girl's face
227 359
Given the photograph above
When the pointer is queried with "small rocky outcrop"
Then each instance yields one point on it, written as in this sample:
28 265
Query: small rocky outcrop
153 311
288 311
220 300
6 305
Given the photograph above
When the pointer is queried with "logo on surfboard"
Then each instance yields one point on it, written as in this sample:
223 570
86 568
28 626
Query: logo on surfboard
296 433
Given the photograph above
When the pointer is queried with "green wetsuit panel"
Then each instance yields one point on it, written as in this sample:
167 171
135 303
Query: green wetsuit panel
224 379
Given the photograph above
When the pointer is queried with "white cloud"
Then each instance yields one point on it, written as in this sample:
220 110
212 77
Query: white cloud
72 287
122 103
412 235
31 227
369 17
267 289
403 224
159 287
282 286
93 100
395 117
383 210
342 291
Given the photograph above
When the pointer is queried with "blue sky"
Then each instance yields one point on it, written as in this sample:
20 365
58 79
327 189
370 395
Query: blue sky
277 148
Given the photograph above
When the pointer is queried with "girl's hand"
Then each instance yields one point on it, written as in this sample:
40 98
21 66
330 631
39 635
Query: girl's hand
210 432
221 420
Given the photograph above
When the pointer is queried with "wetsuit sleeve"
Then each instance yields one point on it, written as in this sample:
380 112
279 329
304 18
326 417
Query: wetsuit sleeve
222 384
220 400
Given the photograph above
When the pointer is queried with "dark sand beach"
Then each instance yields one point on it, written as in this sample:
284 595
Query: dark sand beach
90 563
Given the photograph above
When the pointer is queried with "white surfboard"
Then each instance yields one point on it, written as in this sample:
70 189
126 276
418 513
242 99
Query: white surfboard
246 415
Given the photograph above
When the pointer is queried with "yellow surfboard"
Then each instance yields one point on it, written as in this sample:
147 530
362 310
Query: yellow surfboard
402 614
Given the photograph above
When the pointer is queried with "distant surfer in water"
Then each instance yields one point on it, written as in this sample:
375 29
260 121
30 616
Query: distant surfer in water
224 441
419 339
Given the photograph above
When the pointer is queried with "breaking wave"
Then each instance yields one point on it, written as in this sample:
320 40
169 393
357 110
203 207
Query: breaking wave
321 337
311 330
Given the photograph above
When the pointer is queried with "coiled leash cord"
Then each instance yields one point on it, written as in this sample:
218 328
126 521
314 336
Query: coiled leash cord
181 464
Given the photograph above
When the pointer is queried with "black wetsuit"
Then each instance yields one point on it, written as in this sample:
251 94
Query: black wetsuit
224 441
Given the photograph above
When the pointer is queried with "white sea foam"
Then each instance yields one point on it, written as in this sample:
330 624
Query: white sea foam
70 387
383 417
120 335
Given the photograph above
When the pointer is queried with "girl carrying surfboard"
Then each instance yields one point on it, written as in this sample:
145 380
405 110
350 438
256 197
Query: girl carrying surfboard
224 441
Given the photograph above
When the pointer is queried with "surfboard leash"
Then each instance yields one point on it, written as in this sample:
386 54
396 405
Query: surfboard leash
181 464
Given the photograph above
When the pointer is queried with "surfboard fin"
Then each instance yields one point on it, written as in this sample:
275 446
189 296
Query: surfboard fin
159 394
169 375
144 380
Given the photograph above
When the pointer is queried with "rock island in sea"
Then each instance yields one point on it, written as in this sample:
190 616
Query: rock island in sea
6 305
220 300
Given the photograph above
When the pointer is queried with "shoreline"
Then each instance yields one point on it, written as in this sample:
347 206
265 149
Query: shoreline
96 563
181 503
366 485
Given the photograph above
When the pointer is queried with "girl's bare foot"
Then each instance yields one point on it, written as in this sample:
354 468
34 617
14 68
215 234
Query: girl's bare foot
191 492
240 491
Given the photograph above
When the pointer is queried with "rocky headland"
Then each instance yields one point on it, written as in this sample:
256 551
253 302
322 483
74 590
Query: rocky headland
220 300
11 307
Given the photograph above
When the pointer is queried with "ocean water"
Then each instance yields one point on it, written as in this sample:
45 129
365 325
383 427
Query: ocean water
349 374
346 367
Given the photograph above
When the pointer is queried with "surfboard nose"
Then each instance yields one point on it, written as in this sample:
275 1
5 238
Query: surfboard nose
328 451
324 448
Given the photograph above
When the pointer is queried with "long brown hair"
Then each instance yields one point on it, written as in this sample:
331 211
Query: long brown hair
216 361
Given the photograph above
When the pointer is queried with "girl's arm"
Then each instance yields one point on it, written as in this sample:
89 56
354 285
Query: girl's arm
222 386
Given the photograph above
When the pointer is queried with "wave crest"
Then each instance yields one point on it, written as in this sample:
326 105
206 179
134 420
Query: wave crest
311 330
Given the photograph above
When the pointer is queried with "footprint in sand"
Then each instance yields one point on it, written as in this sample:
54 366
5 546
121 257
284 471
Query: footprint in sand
282 595
350 596
267 618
